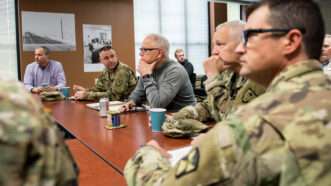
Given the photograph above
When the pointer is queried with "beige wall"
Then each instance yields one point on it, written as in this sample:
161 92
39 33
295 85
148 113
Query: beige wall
117 13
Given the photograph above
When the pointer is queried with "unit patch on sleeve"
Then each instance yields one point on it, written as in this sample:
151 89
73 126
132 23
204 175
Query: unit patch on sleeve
188 164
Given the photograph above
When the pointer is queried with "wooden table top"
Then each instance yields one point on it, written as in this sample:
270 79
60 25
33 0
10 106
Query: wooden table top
93 170
114 146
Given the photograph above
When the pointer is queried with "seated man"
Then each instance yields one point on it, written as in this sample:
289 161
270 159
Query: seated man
164 83
326 55
280 138
180 56
44 74
226 90
116 82
33 151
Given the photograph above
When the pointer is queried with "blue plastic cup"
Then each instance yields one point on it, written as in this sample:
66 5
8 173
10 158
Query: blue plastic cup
65 91
157 117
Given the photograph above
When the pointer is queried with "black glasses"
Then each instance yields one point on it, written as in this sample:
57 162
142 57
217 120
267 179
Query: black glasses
276 31
144 50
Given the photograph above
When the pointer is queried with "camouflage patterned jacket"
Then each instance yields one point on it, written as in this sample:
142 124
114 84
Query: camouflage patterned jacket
32 149
225 92
116 84
281 138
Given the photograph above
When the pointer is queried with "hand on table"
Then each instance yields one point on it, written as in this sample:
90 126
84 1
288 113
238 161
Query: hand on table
80 95
36 90
127 106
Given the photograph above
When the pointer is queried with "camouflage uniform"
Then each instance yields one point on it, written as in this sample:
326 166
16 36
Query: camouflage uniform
281 138
225 91
32 149
116 84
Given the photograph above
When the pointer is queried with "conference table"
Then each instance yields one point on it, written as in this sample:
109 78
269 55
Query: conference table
114 146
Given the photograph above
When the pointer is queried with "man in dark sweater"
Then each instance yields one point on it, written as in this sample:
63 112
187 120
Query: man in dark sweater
180 56
164 83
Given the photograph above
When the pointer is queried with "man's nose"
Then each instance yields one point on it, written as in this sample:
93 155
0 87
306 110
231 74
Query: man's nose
240 49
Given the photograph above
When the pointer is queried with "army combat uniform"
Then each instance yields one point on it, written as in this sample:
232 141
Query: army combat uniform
32 149
116 84
281 138
225 92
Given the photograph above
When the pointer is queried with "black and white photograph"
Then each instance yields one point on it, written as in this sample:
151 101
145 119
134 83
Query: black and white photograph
53 30
95 37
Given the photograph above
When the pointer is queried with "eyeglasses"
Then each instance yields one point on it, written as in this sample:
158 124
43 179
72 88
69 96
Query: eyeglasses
144 50
276 31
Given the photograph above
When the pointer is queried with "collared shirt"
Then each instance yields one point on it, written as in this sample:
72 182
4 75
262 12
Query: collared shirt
51 75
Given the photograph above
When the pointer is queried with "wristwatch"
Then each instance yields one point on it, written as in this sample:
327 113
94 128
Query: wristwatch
147 76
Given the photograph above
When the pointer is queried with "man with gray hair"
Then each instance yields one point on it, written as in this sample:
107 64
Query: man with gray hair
164 83
225 88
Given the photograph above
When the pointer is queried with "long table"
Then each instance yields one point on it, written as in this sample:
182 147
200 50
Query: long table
113 146
92 169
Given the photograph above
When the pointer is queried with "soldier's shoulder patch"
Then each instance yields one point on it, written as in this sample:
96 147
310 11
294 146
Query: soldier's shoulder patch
188 164
248 95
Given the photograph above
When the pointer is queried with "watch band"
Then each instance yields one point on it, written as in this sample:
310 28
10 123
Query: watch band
146 76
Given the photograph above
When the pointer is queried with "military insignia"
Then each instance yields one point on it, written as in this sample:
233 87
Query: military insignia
188 164
248 96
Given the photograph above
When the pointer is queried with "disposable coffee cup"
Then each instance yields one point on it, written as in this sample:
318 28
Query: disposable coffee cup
157 118
65 91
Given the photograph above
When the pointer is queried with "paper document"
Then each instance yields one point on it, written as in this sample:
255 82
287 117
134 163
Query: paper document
178 154
113 105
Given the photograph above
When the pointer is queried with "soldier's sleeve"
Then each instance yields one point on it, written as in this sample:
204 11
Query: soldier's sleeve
208 163
230 154
198 112
146 167
33 152
99 89
217 83
123 84
248 92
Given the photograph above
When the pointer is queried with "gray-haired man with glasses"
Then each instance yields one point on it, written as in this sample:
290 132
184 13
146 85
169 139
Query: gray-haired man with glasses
283 137
164 83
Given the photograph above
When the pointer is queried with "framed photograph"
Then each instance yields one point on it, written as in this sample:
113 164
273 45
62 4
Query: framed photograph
53 30
95 37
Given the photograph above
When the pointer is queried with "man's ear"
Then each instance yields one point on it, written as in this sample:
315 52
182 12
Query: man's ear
293 42
161 54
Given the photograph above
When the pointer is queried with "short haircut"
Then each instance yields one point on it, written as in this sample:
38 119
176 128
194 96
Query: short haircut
177 51
45 49
236 29
161 42
303 14
105 48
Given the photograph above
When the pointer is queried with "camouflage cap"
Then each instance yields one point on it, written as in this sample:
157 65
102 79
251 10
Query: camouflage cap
51 96
183 127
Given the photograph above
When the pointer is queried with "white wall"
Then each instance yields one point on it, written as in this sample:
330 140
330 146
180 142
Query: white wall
233 11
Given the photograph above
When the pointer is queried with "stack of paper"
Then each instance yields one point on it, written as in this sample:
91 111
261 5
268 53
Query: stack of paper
113 105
